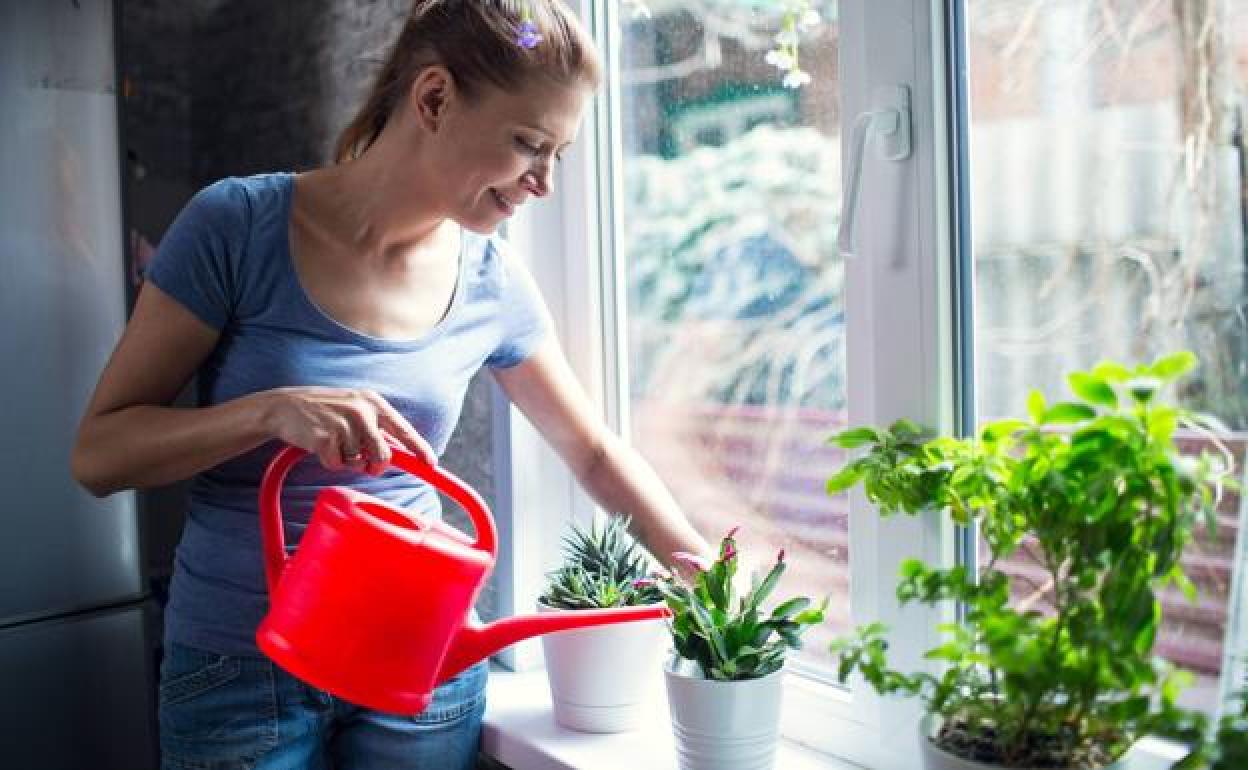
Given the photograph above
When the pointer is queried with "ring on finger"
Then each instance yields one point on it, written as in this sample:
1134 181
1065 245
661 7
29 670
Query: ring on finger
351 457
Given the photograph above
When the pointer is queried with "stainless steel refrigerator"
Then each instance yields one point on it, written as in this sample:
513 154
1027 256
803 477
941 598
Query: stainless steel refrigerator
75 667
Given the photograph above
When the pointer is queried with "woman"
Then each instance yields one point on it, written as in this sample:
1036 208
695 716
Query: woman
336 310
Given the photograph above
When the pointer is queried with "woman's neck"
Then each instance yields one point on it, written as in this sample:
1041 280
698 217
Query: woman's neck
377 204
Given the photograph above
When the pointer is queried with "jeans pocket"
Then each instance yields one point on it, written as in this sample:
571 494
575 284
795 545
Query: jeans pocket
215 710
187 672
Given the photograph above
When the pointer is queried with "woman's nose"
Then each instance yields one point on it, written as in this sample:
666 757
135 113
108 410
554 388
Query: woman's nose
538 180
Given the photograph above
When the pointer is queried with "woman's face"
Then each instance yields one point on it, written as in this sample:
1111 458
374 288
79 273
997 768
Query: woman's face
495 153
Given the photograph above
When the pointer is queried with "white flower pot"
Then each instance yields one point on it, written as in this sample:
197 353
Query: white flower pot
936 758
723 725
599 677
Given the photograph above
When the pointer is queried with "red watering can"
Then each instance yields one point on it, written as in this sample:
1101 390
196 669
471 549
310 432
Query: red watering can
373 607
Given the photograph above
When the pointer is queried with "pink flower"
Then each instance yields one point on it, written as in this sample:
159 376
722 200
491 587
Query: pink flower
732 533
643 583
730 552
693 560
780 556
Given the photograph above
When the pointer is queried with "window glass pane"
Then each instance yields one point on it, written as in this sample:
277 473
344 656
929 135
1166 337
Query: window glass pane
735 316
1108 210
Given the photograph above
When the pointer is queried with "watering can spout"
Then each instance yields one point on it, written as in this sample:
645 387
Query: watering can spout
476 642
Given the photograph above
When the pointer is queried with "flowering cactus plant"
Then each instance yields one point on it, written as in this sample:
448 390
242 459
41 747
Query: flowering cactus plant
733 638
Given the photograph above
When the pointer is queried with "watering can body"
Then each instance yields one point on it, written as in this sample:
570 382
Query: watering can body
374 605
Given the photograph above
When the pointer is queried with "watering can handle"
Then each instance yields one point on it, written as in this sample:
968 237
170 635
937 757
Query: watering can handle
274 539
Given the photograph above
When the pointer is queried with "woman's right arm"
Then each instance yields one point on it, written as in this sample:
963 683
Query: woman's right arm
130 437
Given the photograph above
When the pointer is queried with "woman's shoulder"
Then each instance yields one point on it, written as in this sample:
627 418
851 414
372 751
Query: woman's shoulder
239 206
245 191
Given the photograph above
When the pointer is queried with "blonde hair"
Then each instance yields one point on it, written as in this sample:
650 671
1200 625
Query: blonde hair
477 41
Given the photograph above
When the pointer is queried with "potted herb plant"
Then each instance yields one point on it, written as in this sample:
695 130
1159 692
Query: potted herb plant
598 675
1098 491
725 675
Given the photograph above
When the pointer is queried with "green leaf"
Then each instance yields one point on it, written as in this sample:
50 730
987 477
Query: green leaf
845 478
1174 365
1111 371
1186 586
856 437
999 429
1092 389
1035 405
906 429
791 606
765 588
1067 412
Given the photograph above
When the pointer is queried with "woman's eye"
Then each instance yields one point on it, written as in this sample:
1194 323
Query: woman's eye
532 149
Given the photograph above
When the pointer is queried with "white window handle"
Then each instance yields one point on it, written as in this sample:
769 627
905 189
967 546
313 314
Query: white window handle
890 121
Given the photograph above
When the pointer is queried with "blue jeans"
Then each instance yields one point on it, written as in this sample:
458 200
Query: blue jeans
220 712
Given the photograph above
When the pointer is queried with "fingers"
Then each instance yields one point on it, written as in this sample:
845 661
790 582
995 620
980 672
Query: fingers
376 453
364 448
397 426
329 450
350 429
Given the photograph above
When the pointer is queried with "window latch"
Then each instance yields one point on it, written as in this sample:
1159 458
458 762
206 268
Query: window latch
889 122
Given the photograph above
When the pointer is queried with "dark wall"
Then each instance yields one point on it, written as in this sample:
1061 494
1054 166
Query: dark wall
215 88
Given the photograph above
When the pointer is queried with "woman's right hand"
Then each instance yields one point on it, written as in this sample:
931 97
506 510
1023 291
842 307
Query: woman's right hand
344 427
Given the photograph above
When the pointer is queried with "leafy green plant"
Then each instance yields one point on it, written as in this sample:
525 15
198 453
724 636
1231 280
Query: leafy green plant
728 637
1098 491
601 568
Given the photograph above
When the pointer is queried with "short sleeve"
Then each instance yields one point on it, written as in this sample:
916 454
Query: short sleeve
197 261
524 319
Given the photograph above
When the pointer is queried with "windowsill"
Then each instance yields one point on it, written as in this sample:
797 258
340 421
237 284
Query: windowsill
520 731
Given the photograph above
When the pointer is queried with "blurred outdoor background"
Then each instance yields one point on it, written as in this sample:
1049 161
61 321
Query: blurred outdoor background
1108 208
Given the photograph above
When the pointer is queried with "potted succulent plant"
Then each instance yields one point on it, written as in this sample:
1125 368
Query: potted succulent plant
601 568
725 674
1098 491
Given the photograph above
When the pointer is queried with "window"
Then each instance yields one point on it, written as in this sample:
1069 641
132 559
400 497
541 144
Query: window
734 292
1108 210
1073 191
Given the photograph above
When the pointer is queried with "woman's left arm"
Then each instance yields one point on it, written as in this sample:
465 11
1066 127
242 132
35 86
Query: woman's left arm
545 389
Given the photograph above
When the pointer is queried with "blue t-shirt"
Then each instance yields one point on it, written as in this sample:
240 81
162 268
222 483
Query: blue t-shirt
227 259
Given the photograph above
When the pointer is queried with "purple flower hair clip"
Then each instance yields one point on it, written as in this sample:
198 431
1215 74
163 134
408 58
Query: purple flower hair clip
527 35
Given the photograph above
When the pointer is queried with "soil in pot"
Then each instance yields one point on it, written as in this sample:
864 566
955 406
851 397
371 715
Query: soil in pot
1038 752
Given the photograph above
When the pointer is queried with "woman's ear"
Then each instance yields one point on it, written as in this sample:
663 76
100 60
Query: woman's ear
431 93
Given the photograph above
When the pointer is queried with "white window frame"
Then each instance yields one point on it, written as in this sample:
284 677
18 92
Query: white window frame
898 290
904 319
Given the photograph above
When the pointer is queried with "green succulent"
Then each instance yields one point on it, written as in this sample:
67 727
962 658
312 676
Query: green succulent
601 568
